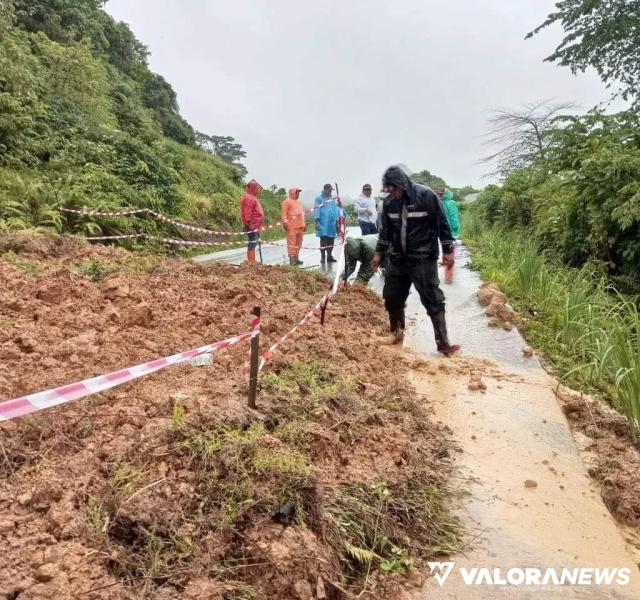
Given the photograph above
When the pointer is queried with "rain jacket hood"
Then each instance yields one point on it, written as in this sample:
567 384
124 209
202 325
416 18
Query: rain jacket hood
292 193
253 187
395 176
250 207
293 211
412 226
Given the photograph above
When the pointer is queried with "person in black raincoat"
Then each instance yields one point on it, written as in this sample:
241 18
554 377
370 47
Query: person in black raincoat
413 223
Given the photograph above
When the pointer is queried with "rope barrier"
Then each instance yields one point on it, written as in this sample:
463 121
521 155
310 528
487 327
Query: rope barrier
187 226
19 407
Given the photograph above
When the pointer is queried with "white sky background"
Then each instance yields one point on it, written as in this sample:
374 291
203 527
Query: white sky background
337 90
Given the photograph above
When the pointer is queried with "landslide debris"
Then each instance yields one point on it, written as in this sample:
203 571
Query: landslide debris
169 486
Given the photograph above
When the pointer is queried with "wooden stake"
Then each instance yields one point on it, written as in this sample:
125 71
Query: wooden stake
255 360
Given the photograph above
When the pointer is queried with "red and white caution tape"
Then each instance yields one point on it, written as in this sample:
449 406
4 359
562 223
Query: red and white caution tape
180 224
306 212
149 211
10 409
340 266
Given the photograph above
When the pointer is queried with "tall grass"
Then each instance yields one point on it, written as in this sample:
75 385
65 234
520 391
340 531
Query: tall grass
594 327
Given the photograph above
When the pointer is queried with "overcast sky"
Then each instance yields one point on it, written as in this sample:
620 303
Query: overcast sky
337 90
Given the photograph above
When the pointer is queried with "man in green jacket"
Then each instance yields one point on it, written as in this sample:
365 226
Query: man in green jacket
360 250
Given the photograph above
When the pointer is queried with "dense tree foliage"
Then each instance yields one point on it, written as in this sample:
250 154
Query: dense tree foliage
435 182
577 191
84 121
581 201
225 147
604 35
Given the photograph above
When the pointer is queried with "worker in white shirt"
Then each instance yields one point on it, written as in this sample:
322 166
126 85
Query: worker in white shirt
366 210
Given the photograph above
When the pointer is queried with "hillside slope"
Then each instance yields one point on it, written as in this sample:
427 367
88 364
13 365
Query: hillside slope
83 121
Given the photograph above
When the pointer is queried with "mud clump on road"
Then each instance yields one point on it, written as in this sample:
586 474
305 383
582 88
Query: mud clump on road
497 309
169 486
615 460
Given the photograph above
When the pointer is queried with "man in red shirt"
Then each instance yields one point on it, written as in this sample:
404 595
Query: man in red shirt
252 217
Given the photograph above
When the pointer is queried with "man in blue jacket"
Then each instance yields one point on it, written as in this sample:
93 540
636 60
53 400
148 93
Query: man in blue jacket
413 221
326 214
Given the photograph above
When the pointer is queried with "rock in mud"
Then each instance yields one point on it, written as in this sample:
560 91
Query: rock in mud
27 344
46 572
530 483
140 315
114 289
476 383
527 352
489 292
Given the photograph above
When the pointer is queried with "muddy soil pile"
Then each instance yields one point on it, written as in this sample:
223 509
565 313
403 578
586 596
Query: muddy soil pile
612 458
169 487
497 309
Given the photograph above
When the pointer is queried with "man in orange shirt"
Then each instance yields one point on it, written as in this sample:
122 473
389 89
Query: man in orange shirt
294 224
252 217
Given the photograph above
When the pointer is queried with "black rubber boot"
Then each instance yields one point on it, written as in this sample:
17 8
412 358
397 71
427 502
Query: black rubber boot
323 260
440 331
292 261
396 321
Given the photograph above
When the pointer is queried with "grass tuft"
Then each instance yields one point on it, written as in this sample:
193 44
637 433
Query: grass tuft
26 265
388 526
588 331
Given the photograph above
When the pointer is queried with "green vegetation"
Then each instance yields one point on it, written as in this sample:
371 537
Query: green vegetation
29 266
580 198
573 182
371 519
434 182
603 35
84 122
561 234
588 331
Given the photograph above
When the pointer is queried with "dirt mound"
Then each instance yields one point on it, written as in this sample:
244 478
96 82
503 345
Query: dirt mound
498 310
615 460
169 487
